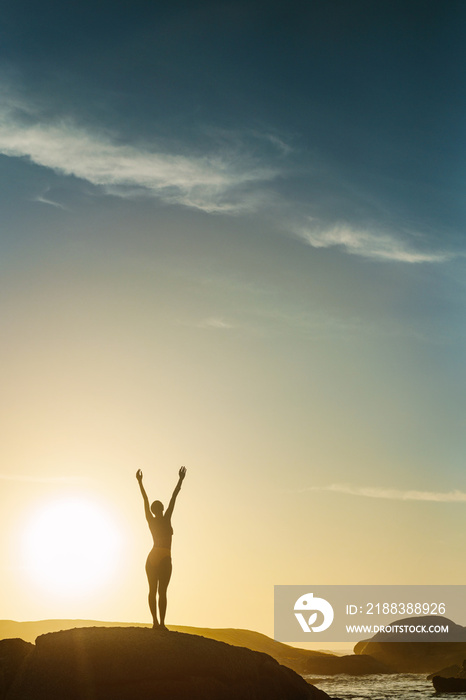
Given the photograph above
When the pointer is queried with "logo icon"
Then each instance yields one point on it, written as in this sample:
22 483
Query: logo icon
313 605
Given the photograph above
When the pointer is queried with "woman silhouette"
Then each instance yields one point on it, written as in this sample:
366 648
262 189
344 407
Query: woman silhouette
159 561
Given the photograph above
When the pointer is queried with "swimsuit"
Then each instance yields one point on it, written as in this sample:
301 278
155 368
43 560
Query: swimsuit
157 555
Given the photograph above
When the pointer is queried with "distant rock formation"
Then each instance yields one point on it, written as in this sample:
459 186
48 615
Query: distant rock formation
415 655
349 664
455 671
448 672
104 663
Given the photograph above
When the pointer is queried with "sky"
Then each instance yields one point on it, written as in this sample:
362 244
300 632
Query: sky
232 238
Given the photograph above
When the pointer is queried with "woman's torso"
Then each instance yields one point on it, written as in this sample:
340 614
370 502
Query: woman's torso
162 531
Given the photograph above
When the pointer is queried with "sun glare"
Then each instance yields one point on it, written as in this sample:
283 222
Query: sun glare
71 547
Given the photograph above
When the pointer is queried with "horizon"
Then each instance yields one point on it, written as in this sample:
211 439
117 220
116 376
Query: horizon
232 239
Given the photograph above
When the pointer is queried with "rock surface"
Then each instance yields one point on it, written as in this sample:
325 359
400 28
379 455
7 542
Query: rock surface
13 653
302 661
111 663
449 685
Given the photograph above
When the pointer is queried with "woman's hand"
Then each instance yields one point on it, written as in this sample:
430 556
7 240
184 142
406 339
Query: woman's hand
139 475
182 473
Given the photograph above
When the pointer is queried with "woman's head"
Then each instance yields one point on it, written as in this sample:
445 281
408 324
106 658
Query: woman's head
157 508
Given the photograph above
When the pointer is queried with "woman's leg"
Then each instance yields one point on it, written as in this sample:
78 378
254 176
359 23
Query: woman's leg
152 578
165 572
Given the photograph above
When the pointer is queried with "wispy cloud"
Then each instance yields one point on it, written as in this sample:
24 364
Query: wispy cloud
215 322
365 243
226 179
42 199
392 494
43 479
213 183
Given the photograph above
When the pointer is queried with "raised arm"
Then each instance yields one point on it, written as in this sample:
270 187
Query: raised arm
147 510
171 505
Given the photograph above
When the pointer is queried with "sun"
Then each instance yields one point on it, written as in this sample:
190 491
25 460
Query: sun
70 547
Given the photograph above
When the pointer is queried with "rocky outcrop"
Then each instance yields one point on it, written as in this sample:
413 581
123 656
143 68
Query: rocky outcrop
101 663
416 655
302 661
449 685
13 653
455 671
448 672
349 664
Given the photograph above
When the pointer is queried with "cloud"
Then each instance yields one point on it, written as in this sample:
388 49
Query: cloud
46 200
218 323
50 202
368 244
43 479
213 183
226 179
393 494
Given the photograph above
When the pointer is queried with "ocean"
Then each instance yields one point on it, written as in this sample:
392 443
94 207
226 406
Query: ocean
400 686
